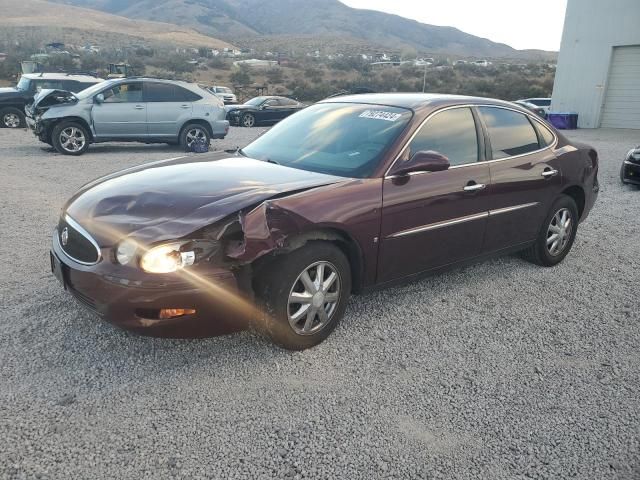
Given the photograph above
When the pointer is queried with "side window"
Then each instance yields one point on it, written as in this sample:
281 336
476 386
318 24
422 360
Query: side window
451 133
159 92
70 85
510 132
184 95
546 137
124 93
48 84
273 102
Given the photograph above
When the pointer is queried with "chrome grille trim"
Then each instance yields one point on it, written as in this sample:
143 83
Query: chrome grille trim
78 228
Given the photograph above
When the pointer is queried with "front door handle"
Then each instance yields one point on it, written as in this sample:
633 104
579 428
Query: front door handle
474 187
184 106
139 107
548 173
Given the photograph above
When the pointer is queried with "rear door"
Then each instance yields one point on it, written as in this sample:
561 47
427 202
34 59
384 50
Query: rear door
525 175
433 219
123 114
168 108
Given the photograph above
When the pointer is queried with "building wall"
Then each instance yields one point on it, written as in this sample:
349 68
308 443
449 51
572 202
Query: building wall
591 29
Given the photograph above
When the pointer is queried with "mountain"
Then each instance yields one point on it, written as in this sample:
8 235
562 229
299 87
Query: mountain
76 24
248 22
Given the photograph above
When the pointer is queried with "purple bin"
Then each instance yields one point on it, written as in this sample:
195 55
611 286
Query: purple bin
564 121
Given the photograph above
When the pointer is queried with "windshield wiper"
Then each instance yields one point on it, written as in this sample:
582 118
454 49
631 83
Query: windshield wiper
268 160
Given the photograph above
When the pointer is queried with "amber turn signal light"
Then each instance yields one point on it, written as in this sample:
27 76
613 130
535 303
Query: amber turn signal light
175 312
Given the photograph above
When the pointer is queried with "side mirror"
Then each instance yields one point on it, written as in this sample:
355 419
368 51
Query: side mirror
99 98
423 161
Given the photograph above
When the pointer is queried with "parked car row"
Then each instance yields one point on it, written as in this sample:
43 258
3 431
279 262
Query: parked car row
14 99
346 195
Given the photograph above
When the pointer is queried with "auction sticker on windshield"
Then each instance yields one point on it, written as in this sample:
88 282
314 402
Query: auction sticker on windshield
380 115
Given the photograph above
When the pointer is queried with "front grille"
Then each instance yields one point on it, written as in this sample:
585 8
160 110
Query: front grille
76 242
85 301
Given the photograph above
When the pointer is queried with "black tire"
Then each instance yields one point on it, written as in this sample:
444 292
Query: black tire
11 117
248 120
60 133
191 131
279 278
539 253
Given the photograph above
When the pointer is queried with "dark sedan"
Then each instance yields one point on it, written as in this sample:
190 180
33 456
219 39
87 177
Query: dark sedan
630 170
346 195
262 111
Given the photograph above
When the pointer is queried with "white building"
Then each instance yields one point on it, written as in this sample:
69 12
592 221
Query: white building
598 73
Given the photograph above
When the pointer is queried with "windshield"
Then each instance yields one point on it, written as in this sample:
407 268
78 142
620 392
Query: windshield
341 139
255 101
87 92
23 84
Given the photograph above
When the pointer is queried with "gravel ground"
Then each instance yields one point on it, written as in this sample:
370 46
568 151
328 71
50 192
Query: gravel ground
500 370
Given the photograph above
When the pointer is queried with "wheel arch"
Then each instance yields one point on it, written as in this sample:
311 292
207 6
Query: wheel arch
340 238
56 121
197 121
576 192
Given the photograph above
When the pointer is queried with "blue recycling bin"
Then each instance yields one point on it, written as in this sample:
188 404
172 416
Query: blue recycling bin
564 121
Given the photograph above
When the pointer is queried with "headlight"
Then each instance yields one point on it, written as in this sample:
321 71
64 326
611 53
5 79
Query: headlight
166 258
634 154
126 251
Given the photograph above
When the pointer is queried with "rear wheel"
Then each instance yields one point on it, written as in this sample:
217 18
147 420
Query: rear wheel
192 133
557 234
12 118
70 138
304 294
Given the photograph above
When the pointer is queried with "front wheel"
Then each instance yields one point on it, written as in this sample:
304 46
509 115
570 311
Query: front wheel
248 120
304 294
557 234
12 118
70 138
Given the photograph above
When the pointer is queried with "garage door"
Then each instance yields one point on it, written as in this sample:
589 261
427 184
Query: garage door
622 100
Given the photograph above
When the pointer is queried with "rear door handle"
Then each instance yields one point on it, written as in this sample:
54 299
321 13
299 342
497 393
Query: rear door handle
184 106
474 187
139 107
549 173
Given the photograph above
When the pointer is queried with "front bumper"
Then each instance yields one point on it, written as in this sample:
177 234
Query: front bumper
630 172
221 307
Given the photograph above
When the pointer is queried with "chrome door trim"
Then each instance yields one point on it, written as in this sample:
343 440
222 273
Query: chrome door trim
456 221
498 211
437 225
504 107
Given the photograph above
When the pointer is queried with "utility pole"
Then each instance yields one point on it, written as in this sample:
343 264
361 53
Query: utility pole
424 78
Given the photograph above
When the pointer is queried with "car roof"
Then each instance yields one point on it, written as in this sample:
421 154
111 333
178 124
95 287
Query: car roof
63 76
416 101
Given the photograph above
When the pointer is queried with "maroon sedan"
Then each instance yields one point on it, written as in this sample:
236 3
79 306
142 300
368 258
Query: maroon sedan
350 193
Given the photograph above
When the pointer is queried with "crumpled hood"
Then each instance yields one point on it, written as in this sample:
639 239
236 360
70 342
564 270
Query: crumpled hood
173 198
229 108
50 97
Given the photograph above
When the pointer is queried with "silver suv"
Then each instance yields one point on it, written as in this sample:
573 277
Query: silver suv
145 110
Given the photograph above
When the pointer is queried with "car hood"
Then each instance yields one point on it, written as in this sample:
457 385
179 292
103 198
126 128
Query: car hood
10 92
173 198
47 98
228 108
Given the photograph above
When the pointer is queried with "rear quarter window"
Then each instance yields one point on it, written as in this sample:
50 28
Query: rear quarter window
510 132
184 95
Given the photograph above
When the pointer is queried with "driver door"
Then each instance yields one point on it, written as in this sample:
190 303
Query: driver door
123 114
271 111
432 219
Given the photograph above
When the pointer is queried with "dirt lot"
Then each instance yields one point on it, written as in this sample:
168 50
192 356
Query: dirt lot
500 370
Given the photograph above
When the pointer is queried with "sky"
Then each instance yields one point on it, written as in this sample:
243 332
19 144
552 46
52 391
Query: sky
518 23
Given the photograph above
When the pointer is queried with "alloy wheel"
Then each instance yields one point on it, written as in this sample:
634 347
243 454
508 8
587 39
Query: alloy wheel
11 120
195 135
559 232
72 139
248 121
313 298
